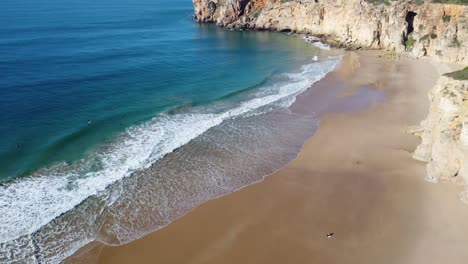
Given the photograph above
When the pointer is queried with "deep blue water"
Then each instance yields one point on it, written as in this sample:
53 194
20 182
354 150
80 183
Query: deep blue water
74 73
93 92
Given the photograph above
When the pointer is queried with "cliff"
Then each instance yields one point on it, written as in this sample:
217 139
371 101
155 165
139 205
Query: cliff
427 29
444 132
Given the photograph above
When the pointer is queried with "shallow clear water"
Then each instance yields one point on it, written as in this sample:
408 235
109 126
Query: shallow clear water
96 95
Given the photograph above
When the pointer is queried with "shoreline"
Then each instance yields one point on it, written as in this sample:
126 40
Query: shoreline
89 252
232 218
69 232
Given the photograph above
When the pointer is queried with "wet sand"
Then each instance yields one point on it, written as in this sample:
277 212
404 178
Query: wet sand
354 177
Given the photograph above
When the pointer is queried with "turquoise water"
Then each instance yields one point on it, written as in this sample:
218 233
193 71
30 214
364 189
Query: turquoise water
93 92
64 63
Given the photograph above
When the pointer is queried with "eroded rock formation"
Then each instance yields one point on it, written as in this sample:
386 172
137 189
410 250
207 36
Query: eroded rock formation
444 134
429 29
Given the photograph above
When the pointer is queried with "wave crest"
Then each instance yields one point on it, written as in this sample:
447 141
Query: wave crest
28 205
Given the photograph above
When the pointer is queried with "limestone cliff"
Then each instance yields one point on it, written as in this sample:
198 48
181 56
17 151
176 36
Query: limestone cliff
429 29
444 133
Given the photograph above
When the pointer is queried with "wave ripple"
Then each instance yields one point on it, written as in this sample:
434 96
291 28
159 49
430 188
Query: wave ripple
34 225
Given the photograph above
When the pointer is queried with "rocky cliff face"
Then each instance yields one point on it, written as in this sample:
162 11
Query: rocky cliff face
444 134
429 29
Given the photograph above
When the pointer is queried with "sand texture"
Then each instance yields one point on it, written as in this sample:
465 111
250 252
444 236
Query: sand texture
354 177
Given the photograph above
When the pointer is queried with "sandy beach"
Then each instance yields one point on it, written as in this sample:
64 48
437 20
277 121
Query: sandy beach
354 177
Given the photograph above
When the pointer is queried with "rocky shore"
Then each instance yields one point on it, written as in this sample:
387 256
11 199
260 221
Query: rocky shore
444 134
419 29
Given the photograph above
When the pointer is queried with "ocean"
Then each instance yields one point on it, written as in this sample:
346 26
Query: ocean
118 117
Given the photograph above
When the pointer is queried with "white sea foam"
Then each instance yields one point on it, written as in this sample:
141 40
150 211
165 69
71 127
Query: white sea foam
316 42
321 45
28 204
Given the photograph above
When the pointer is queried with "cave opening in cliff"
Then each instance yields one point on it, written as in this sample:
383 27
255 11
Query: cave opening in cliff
410 22
243 5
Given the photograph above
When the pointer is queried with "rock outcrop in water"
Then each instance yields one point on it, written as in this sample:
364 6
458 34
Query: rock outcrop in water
429 29
444 134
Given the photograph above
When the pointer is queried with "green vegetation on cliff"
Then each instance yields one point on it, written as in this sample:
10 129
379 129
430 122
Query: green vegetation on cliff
409 43
459 75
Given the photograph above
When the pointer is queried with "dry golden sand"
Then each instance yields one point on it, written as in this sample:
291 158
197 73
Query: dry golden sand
354 177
